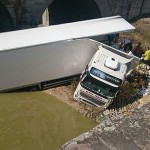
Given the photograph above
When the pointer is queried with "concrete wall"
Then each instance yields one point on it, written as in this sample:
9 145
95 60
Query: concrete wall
28 13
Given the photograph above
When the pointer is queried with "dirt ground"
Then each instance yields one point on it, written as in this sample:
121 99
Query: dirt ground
65 94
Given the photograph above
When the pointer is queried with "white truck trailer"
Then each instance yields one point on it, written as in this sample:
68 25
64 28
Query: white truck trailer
103 76
38 56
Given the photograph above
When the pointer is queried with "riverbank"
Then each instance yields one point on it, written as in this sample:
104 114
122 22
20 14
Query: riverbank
125 101
129 132
125 128
65 94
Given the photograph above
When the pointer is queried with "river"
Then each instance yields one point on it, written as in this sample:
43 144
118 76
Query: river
38 121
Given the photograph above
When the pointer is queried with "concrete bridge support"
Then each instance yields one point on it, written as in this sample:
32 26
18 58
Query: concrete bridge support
28 13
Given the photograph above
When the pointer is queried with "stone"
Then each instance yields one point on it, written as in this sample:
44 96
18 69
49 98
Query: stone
112 128
136 124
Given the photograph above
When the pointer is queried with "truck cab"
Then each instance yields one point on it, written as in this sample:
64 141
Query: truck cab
101 80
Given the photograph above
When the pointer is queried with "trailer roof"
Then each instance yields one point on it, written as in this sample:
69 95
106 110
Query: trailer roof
56 33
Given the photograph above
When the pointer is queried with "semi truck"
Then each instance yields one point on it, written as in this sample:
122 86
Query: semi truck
47 55
103 76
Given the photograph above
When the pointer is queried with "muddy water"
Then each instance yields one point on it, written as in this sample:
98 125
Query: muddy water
37 121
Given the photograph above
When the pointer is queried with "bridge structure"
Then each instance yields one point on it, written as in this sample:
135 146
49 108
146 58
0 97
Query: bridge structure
23 14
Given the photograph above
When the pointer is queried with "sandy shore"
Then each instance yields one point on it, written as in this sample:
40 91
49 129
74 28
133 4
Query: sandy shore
65 94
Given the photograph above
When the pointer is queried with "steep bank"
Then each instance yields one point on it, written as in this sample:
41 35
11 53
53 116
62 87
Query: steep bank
125 129
65 93
130 132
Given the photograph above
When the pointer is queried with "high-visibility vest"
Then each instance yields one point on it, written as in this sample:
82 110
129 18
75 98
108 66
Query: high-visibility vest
147 55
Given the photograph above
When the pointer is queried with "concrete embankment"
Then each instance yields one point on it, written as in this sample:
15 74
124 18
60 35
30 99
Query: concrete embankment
128 132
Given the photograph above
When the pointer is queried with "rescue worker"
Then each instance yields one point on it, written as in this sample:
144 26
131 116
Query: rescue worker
127 44
147 57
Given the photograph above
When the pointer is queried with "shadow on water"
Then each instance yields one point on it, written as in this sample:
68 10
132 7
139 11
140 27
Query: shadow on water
34 88
47 85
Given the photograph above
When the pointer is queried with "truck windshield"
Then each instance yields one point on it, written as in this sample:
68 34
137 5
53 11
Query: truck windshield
98 87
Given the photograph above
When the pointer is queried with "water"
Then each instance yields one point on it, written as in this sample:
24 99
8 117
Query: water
37 121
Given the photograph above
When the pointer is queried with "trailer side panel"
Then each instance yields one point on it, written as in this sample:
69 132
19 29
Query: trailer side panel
31 65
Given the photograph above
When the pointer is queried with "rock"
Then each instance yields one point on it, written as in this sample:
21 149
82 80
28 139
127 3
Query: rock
106 112
108 122
136 124
127 138
112 128
80 138
100 118
88 115
146 116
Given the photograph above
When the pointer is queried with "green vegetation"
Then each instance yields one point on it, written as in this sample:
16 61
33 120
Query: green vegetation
136 80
